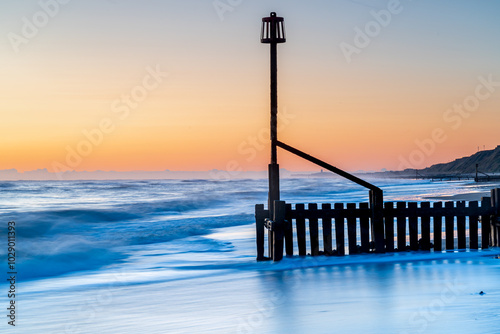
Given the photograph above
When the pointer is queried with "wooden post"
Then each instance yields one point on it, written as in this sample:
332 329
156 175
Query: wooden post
496 221
389 227
495 228
300 222
462 244
259 226
473 227
274 94
327 228
401 222
449 220
270 242
364 225
492 217
288 231
485 224
377 206
274 186
272 33
278 229
274 181
426 227
351 228
438 228
413 226
313 228
339 228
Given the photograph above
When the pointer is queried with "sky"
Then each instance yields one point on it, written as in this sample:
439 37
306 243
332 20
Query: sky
184 85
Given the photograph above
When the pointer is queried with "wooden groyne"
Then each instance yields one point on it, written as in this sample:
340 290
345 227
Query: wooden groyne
372 226
349 228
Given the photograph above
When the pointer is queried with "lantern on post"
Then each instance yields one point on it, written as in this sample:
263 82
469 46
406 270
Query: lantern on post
273 32
273 29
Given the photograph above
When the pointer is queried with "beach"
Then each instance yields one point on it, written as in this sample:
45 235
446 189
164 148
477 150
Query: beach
397 293
170 264
148 147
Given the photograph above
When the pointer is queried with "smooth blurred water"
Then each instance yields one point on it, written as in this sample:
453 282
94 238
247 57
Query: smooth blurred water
99 256
76 225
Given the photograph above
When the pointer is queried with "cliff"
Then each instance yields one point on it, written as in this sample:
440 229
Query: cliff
489 162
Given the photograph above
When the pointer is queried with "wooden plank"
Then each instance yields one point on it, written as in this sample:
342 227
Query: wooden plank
495 229
327 229
270 244
462 244
401 228
364 224
389 228
425 228
449 220
473 227
339 230
288 231
313 229
495 220
279 229
351 229
438 228
300 223
485 224
377 207
259 226
413 226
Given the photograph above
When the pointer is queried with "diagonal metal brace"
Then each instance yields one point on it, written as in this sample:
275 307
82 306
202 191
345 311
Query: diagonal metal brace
329 167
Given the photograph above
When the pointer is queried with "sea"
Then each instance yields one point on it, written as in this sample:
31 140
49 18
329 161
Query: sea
179 256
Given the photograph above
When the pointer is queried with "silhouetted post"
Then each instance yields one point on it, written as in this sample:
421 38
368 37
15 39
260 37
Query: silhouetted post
377 207
259 226
477 178
273 32
278 229
486 222
495 228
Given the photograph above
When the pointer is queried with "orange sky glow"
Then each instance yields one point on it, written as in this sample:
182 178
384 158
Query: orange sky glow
185 86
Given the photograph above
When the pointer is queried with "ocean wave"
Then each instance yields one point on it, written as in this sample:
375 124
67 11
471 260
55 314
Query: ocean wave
169 230
68 226
72 240
63 254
